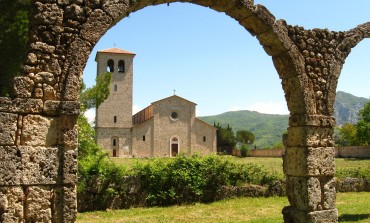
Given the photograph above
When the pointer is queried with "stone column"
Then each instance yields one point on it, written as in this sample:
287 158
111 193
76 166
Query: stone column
309 167
38 160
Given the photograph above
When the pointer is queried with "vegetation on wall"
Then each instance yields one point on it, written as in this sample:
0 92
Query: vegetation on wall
14 17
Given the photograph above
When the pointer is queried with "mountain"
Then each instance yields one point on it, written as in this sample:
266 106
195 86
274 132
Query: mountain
346 107
268 129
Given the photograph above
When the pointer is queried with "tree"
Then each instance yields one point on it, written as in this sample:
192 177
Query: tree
225 139
245 137
363 126
347 135
94 96
14 20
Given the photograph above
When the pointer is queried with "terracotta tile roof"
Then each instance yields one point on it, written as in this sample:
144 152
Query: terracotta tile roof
116 50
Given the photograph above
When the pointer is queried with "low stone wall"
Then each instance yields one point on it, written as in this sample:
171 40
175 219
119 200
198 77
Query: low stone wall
130 193
340 152
276 152
353 152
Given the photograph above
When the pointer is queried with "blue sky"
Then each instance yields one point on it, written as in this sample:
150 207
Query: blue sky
213 61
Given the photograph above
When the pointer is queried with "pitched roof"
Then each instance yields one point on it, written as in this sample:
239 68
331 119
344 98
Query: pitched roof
116 50
175 96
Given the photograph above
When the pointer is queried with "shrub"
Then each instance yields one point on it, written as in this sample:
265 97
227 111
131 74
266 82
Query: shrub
195 178
244 150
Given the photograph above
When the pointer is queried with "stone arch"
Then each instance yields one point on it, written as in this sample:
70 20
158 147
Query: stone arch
42 118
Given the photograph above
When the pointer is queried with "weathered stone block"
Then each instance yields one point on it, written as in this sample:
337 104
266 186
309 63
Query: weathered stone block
304 193
26 105
62 107
293 215
260 21
5 104
38 204
70 167
276 40
329 193
65 204
308 161
75 12
96 25
310 193
8 128
48 14
311 120
292 94
10 165
68 132
310 136
39 131
75 62
39 165
326 216
23 87
11 204
289 64
28 165
116 9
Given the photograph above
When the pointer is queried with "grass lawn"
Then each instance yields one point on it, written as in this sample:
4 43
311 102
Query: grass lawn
274 165
352 207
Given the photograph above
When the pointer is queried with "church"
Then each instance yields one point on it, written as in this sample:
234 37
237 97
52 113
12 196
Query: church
165 128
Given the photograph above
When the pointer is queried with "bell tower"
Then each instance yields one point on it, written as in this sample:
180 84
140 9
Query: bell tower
114 115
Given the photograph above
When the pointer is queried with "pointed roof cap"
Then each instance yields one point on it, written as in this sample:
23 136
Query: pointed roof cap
116 50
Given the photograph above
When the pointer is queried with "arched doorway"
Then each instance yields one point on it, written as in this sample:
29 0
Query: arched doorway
115 146
174 147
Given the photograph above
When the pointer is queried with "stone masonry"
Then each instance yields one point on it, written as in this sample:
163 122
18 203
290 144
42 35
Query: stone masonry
38 133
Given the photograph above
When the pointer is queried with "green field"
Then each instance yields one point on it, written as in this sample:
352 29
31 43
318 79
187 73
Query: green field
344 167
352 207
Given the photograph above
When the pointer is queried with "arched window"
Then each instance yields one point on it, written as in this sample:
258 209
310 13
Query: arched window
121 66
110 65
115 119
174 147
204 138
115 88
115 147
144 138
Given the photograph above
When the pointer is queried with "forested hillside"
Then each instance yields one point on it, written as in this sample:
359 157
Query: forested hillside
268 129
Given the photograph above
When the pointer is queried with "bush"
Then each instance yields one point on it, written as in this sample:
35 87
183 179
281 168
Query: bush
244 150
195 178
360 173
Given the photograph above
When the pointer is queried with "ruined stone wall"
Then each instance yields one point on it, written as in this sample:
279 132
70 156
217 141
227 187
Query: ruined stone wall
38 160
353 151
38 134
275 152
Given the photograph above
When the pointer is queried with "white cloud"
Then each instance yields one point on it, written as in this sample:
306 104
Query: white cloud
270 107
90 115
135 109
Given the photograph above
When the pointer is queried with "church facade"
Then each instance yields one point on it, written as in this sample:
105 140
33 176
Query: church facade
164 129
